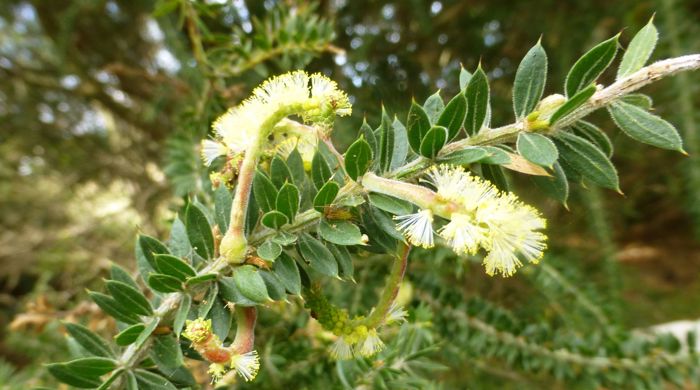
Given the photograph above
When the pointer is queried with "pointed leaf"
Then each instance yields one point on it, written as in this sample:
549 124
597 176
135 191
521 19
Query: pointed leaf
477 94
452 117
433 106
149 381
181 314
175 267
537 148
317 255
274 219
249 282
287 201
279 172
417 125
342 256
530 79
91 342
588 160
340 232
295 163
222 207
129 335
320 171
591 65
122 275
639 50
166 352
401 147
164 283
145 248
390 204
110 306
358 158
264 191
326 195
572 104
287 271
269 250
433 141
645 127
465 156
199 231
464 77
386 142
129 297
555 186
595 135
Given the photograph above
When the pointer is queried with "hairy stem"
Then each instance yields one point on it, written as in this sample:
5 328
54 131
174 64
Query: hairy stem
391 289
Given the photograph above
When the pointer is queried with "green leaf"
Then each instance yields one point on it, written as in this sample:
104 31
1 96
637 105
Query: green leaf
595 135
342 256
179 243
433 106
129 335
122 275
530 79
149 381
477 94
401 147
464 77
230 293
556 186
288 273
645 127
358 158
221 317
68 375
91 367
368 134
320 171
91 342
175 267
452 117
264 191
279 172
208 301
638 99
274 286
465 156
112 377
495 175
390 204
110 306
537 149
284 238
591 65
249 282
269 250
181 315
222 207
381 230
199 231
146 247
639 50
572 104
252 215
164 283
166 351
417 125
274 219
340 232
317 255
433 141
295 163
199 279
129 297
326 195
588 160
386 142
287 201
495 156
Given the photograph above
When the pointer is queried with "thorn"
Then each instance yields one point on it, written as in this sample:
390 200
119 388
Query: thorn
539 40
683 152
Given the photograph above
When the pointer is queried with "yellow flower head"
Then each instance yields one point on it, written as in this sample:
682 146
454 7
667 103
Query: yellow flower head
197 330
316 99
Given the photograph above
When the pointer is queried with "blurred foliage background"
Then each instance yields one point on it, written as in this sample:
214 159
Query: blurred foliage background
102 103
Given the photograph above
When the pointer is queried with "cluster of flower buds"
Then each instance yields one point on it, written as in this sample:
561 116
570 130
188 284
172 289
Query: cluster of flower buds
222 358
354 337
479 216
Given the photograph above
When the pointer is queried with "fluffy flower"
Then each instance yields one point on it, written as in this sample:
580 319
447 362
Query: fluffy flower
246 365
418 228
211 150
371 345
484 217
315 98
341 349
217 371
396 314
